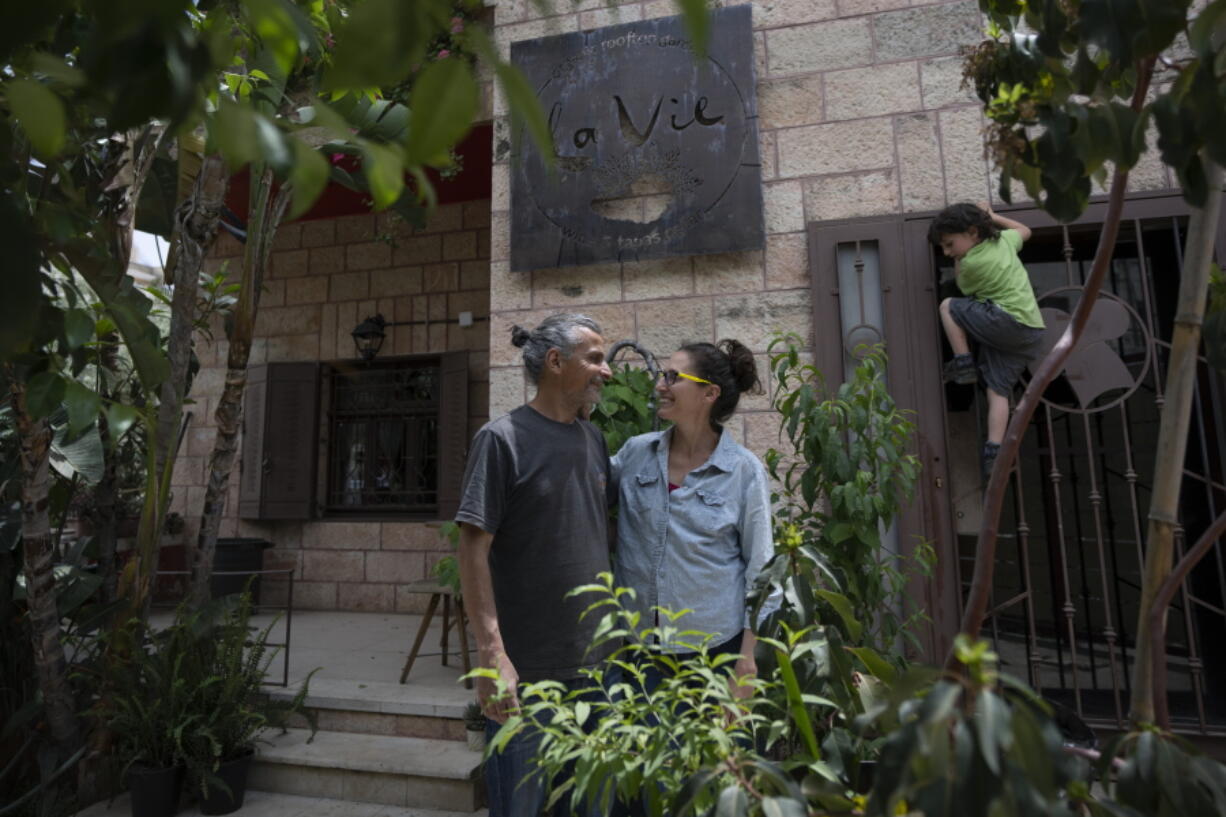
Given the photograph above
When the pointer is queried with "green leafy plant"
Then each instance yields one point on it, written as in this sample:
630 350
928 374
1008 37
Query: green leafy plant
153 709
617 739
978 743
626 408
473 717
843 479
446 571
232 660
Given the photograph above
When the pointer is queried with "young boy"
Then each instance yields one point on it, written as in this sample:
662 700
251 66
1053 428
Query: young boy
999 313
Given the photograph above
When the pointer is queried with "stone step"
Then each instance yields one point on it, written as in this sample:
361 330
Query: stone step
395 771
380 708
270 804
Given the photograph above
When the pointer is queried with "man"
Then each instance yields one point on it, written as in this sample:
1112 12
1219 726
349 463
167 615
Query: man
533 526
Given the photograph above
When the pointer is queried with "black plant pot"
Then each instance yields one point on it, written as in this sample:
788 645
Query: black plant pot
865 775
234 774
155 792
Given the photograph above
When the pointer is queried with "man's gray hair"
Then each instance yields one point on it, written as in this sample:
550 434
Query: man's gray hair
559 332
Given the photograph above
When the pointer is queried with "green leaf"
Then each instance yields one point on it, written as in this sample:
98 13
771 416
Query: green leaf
78 328
796 705
1209 25
783 807
582 710
41 114
1206 98
278 34
272 144
234 133
444 101
44 392
1132 29
83 456
120 418
842 606
384 174
733 802
875 664
378 44
992 725
54 67
82 404
1113 128
309 177
526 110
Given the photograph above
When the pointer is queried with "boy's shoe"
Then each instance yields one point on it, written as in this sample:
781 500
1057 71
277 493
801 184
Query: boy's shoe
987 459
961 369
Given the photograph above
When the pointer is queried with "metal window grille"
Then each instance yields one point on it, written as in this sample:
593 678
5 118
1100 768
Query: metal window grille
383 431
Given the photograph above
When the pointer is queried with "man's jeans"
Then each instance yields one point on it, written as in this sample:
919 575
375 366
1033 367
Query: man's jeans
514 785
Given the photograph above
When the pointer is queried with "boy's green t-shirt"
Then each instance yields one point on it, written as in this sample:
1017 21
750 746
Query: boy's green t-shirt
991 271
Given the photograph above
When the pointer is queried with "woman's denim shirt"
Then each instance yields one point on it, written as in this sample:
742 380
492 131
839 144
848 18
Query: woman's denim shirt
698 548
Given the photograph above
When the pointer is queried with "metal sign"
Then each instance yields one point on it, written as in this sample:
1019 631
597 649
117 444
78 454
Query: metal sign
656 150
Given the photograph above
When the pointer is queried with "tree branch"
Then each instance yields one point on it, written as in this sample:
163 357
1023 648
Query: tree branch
1157 612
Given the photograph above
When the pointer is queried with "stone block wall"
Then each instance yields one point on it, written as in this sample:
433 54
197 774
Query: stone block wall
325 277
862 114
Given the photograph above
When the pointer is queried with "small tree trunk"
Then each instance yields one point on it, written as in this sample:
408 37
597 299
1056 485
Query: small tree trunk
196 227
1173 433
261 228
38 545
105 492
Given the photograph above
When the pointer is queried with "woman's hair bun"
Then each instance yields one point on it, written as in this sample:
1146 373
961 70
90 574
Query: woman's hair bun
744 367
519 335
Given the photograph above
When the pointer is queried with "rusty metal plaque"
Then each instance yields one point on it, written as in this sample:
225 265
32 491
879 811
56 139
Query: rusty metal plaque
656 150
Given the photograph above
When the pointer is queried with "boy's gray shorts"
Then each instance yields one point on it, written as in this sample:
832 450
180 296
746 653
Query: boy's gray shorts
1005 345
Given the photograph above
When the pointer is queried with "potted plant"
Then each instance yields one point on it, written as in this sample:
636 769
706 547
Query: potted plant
147 702
474 727
232 659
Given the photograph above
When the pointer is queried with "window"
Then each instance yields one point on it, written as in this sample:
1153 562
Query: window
390 440
383 438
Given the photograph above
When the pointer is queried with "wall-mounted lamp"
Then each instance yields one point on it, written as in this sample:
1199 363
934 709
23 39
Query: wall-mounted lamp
369 334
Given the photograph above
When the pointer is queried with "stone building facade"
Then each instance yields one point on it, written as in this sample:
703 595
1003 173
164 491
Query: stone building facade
862 115
326 276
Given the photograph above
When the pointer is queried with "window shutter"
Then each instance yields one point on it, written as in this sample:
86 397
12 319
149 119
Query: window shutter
452 432
278 480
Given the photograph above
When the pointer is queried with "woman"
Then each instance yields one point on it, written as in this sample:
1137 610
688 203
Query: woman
694 526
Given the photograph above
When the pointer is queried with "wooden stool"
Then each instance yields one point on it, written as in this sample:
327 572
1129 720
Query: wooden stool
438 591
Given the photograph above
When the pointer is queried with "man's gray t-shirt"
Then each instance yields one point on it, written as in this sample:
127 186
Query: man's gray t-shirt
539 487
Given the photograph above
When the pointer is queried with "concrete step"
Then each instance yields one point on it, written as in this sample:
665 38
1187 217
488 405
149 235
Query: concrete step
269 804
429 711
395 771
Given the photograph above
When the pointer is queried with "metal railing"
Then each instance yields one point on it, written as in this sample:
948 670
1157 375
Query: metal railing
287 608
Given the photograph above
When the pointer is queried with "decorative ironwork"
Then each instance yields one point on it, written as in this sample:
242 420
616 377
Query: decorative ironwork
384 439
1080 496
1095 367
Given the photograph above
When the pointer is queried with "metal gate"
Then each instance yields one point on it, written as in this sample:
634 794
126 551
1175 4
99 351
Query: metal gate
1068 575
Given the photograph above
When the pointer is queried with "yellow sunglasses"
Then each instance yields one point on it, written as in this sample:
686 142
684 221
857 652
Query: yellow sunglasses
670 377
